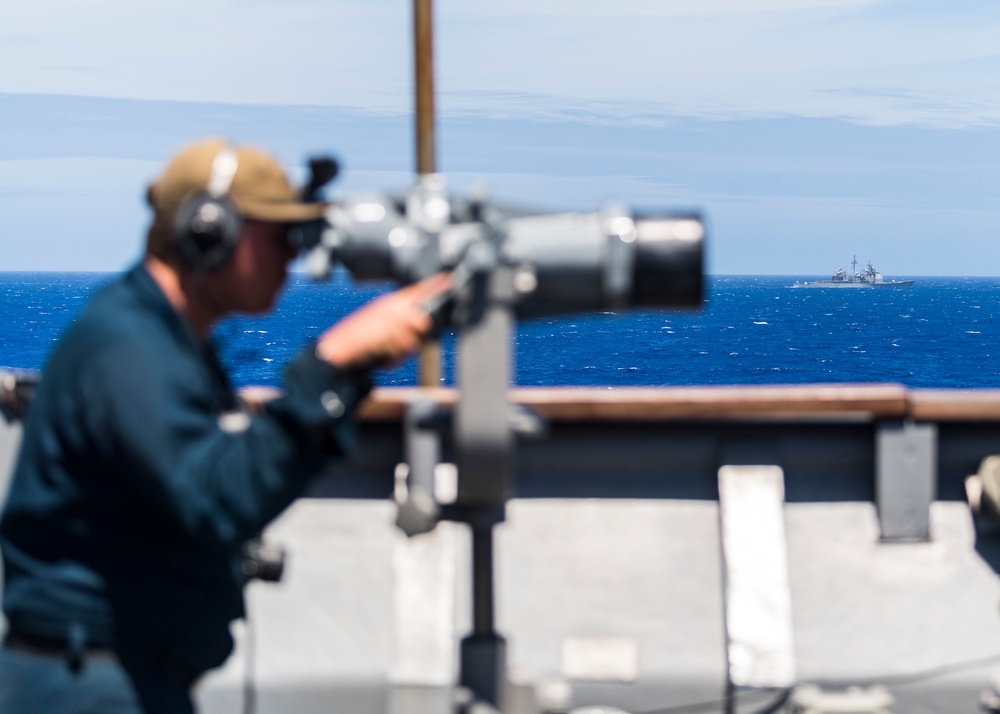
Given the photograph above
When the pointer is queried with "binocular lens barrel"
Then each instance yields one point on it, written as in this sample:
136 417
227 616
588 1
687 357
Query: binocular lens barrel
562 262
669 262
593 261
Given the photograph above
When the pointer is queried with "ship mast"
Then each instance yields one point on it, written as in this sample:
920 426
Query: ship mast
854 266
423 51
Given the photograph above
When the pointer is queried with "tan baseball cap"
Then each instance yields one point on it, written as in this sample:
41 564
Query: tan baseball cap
259 188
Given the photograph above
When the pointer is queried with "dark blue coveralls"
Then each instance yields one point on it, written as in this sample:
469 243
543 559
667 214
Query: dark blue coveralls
131 500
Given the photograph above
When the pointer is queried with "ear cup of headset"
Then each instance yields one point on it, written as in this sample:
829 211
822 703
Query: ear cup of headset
207 229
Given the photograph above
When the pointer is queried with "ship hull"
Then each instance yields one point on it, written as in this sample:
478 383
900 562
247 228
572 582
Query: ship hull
834 286
895 284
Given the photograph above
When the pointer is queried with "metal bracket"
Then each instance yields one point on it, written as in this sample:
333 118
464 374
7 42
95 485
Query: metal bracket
415 492
905 479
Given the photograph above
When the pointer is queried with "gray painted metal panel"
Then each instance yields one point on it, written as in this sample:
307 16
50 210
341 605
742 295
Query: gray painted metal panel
644 570
616 535
905 479
755 565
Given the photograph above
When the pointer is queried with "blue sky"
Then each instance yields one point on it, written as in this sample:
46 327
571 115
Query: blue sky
806 130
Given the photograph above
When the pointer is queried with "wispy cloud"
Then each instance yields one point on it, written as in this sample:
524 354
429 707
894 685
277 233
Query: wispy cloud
581 60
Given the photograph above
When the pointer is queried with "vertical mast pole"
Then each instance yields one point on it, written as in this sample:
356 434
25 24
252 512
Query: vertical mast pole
423 48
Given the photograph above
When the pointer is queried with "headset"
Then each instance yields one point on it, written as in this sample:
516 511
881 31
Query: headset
208 225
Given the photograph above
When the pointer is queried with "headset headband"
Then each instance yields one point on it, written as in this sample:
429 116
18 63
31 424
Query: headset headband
224 166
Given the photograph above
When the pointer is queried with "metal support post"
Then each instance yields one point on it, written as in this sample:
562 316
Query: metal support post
484 450
425 631
484 652
483 441
424 569
905 479
758 600
482 579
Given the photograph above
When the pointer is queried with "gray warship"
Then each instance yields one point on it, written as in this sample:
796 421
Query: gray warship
868 278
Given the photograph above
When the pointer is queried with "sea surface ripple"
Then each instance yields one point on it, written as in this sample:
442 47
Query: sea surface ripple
942 332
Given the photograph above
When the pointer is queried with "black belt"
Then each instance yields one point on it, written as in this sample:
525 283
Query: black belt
75 655
61 647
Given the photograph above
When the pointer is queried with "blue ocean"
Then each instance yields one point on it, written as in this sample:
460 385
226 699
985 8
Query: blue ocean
942 332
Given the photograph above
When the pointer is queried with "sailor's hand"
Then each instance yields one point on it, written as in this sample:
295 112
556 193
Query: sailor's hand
385 330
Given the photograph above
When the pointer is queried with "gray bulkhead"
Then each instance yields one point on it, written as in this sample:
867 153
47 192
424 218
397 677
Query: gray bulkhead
610 567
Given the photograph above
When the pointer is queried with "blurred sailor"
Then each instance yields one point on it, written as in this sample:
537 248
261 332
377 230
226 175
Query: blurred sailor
140 478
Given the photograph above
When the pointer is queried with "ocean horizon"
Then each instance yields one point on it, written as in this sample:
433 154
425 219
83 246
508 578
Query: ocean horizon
753 329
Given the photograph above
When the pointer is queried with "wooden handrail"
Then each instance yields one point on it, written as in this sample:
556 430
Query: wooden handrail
809 401
855 401
806 401
949 405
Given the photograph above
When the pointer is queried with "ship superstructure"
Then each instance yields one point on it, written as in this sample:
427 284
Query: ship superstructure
868 278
